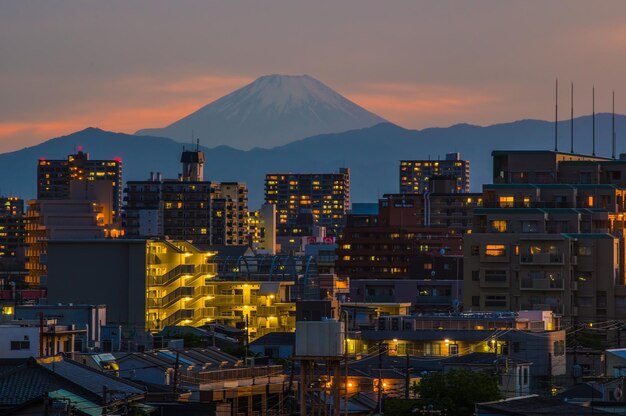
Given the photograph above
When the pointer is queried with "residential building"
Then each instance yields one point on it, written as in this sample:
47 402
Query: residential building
416 176
530 336
262 225
37 338
187 208
58 386
152 284
55 176
212 376
539 243
11 229
91 318
324 197
409 237
48 220
425 294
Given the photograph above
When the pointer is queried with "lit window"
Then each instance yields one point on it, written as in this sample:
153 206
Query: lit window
506 201
499 226
590 201
495 250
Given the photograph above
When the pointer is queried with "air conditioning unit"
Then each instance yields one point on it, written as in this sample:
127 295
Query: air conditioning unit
408 324
574 261
575 285
383 323
396 323
574 311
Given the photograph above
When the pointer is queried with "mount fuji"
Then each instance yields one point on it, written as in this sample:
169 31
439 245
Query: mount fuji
271 111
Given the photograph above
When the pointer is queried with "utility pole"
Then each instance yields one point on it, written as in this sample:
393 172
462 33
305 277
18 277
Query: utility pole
345 361
175 383
407 379
380 377
247 341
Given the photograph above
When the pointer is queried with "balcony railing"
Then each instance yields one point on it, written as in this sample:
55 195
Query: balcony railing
178 316
173 274
541 284
541 258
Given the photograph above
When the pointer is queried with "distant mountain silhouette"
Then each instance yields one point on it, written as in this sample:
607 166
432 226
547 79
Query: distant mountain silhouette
372 153
271 111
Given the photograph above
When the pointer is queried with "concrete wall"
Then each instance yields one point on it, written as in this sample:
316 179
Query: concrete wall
29 337
110 272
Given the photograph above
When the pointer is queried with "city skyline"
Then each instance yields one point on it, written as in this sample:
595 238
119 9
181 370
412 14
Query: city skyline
125 67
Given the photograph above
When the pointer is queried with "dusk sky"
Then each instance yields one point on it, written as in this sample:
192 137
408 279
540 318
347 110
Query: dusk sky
127 65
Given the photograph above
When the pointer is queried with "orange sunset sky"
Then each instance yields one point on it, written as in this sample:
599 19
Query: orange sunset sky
123 66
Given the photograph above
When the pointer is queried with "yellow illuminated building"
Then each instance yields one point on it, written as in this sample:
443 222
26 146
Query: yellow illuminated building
183 289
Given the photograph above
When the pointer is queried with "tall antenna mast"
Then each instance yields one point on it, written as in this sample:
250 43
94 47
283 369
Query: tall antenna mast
593 119
572 121
613 125
556 117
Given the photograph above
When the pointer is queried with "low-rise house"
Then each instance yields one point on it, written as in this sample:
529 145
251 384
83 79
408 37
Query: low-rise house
275 345
210 376
24 339
41 385
532 336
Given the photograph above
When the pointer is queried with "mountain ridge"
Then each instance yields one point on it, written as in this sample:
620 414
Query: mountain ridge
371 153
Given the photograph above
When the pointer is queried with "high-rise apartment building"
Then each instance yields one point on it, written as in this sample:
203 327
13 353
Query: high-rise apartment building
416 176
550 236
55 176
11 228
48 220
322 197
188 208
262 225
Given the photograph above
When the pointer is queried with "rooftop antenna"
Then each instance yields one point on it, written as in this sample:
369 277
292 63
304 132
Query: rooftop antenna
572 121
593 119
613 124
556 117
197 145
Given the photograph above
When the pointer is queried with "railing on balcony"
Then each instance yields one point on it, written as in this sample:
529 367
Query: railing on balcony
173 274
175 296
207 377
228 300
541 284
178 316
541 258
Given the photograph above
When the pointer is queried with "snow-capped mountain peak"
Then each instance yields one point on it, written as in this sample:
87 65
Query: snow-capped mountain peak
271 111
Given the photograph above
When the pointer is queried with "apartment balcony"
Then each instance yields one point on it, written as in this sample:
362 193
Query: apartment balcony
174 274
541 284
433 300
228 300
177 317
175 296
542 259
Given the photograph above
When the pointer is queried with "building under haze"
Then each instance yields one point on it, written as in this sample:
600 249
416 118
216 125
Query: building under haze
323 198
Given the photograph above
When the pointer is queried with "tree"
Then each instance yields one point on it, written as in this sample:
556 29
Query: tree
457 391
